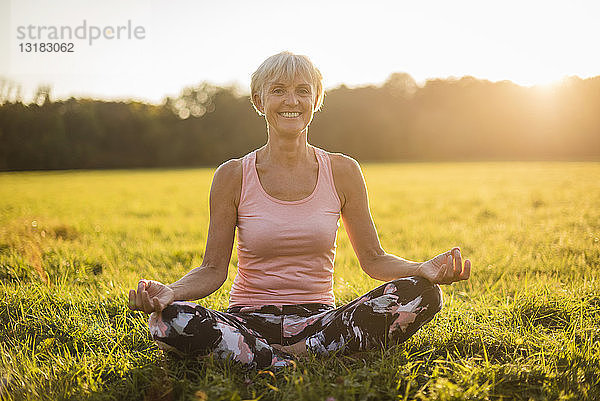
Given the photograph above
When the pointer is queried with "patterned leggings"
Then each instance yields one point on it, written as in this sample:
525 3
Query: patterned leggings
390 313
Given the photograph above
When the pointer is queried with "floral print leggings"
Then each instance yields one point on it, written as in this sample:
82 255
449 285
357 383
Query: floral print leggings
389 314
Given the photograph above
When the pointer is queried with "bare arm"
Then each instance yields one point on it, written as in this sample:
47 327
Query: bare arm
212 273
362 233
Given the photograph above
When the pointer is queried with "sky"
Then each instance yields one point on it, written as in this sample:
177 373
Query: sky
181 43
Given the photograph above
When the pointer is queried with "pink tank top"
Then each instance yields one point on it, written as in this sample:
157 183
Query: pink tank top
285 249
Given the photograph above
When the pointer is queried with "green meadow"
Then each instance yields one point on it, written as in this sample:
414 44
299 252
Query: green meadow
526 326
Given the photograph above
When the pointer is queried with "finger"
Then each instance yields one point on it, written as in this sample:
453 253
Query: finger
131 302
457 262
440 266
141 289
466 273
450 272
157 306
447 271
147 303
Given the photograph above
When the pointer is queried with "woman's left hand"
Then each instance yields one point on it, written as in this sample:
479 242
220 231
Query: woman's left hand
151 296
446 268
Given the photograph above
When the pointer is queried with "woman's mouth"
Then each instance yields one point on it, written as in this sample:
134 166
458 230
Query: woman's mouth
290 114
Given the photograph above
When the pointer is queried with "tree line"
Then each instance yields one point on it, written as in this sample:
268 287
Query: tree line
445 119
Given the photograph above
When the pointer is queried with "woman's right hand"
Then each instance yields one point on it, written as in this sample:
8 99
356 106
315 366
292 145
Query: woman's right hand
446 268
151 296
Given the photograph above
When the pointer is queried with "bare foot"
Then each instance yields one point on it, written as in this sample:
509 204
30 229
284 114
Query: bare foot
295 349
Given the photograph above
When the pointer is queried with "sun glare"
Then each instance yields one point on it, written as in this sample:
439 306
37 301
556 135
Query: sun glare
515 41
540 79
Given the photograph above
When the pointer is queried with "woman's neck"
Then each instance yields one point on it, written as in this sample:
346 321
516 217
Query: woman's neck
286 152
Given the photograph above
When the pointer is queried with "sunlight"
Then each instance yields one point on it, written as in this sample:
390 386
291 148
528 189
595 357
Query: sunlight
528 43
541 79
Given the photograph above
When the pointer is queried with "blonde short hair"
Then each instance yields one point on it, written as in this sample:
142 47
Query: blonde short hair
286 65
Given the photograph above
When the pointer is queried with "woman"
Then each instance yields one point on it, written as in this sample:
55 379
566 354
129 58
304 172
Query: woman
285 199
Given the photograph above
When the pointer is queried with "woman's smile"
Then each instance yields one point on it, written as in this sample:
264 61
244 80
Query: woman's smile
288 114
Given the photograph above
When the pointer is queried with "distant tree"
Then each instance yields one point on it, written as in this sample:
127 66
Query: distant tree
10 91
42 95
401 84
194 101
445 119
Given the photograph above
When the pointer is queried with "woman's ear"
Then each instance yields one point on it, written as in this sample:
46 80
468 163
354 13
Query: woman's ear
257 100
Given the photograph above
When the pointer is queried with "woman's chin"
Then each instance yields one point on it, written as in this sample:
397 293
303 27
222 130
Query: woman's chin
291 132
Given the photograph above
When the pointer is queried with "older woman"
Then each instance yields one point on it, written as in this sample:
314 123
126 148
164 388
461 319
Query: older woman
285 199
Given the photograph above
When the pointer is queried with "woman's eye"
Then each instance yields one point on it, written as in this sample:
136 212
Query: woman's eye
304 91
278 91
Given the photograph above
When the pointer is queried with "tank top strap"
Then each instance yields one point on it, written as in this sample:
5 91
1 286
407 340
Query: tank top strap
326 173
248 176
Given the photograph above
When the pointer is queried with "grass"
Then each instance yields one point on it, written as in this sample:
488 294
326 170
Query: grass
525 326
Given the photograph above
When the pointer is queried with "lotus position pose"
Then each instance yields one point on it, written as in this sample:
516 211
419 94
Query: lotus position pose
286 199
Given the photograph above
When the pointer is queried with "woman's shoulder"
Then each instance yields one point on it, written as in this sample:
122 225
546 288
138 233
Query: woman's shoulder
347 175
230 169
227 180
342 164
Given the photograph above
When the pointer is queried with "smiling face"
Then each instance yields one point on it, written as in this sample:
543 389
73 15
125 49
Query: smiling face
288 106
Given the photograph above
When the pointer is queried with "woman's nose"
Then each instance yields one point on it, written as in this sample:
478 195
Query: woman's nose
291 98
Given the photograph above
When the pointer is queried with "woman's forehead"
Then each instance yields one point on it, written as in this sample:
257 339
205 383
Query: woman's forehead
290 76
297 80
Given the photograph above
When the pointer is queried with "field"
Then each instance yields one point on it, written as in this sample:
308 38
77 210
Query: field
525 326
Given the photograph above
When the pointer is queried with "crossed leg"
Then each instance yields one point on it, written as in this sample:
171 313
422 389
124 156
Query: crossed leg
390 313
190 329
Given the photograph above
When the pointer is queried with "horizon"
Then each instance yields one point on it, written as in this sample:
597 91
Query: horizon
240 91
